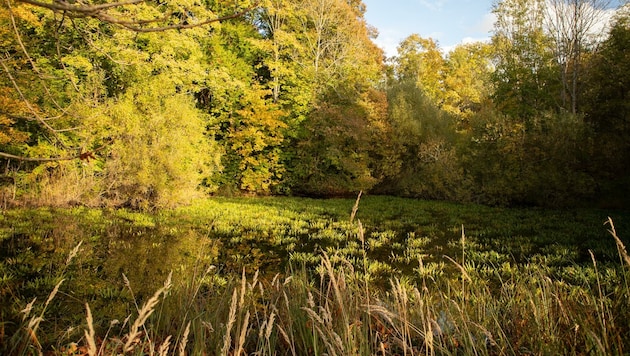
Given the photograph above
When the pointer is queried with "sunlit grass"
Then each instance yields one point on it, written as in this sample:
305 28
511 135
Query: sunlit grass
295 277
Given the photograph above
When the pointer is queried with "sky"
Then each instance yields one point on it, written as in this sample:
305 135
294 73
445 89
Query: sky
449 22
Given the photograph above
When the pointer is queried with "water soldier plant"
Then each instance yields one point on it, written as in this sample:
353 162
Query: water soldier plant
401 277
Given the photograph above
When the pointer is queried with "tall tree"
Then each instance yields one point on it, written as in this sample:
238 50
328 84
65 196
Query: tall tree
607 101
341 66
525 66
467 84
158 152
420 60
575 26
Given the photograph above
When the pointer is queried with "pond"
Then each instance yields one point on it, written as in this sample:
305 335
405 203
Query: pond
125 256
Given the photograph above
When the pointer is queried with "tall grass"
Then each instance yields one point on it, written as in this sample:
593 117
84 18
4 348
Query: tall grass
335 308
334 311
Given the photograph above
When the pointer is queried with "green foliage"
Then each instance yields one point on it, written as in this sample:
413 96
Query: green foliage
296 274
467 81
510 163
255 137
333 152
159 152
607 107
420 60
294 98
426 143
525 76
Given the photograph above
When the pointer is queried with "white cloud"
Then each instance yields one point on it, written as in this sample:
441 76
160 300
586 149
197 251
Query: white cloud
388 41
596 20
467 40
486 24
433 5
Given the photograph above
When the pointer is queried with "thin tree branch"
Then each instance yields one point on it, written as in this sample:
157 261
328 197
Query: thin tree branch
28 104
18 37
131 25
99 12
84 156
31 159
86 10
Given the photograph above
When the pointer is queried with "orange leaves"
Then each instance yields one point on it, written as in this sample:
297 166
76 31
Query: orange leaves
10 107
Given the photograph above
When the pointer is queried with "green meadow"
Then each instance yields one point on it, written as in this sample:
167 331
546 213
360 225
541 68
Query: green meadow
296 276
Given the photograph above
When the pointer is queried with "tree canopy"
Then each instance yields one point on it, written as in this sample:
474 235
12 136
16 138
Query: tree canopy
148 105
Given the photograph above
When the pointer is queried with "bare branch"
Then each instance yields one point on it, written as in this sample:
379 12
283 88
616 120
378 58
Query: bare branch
86 10
84 156
100 12
30 159
30 107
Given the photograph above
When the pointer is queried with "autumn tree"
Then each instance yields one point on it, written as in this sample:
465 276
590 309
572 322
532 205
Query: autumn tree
420 60
122 102
467 81
328 45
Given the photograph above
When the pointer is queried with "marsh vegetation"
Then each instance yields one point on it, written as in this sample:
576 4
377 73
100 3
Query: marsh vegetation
290 276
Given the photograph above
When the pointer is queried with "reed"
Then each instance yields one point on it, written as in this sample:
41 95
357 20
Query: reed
335 308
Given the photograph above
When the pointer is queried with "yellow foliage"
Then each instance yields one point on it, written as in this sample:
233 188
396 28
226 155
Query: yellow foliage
10 107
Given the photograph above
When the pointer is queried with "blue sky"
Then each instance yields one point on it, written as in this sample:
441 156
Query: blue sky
449 22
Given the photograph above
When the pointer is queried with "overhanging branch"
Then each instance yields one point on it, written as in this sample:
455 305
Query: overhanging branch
101 12
84 156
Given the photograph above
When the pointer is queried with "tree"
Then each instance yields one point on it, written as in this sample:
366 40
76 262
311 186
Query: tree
27 21
525 67
327 67
608 107
607 104
123 102
572 25
420 60
467 84
424 141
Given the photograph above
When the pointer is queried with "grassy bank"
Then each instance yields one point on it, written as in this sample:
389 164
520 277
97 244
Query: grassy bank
299 276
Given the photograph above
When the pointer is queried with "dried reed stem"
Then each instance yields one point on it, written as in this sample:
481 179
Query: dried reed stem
184 341
89 333
227 339
620 246
144 313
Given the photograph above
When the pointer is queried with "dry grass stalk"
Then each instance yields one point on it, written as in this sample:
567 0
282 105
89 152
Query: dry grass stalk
333 279
355 208
163 349
602 309
287 339
227 339
34 322
461 268
184 341
27 310
52 294
620 246
144 313
269 328
73 253
89 333
241 339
